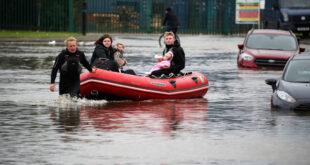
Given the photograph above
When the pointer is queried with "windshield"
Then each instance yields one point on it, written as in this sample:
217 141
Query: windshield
303 4
272 42
298 71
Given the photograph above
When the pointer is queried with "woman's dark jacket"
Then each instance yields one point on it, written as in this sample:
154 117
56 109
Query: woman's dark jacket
178 60
100 53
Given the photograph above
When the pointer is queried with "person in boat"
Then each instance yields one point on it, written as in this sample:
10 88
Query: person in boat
103 55
120 60
178 60
163 62
68 63
119 56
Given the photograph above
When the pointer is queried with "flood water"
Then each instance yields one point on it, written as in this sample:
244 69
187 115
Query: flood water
232 124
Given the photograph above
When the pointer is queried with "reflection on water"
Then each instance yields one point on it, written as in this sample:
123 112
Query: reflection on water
68 119
129 116
155 116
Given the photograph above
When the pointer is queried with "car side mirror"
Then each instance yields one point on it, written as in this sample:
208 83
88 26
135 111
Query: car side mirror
302 50
272 82
240 46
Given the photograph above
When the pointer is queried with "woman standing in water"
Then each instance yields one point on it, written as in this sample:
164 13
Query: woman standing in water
68 64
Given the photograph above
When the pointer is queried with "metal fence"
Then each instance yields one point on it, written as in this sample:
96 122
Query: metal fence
130 16
46 15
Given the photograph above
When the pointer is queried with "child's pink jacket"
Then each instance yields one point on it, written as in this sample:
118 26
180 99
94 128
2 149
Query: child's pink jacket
158 66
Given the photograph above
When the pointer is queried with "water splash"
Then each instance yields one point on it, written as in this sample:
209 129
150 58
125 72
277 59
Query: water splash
65 101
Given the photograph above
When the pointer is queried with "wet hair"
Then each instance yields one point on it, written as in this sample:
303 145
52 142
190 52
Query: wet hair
70 39
100 40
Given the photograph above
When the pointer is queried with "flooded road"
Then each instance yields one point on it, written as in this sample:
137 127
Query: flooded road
232 124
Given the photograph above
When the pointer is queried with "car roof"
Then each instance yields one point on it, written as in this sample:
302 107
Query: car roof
270 31
302 56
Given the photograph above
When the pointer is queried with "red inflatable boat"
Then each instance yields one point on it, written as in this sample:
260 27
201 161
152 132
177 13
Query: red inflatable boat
109 85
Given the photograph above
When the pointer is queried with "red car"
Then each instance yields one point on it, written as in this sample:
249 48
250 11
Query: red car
267 48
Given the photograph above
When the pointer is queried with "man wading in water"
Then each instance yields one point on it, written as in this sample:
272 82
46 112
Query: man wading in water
68 64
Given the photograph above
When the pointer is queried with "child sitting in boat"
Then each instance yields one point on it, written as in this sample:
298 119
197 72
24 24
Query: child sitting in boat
163 62
120 60
119 56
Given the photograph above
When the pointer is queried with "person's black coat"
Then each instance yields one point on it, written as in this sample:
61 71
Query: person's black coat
102 53
171 20
178 60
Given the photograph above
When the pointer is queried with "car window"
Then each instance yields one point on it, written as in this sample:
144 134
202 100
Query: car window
298 71
271 42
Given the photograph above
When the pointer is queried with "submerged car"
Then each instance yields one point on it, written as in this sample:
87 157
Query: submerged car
267 48
292 90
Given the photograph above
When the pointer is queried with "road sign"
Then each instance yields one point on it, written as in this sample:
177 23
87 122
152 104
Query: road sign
247 11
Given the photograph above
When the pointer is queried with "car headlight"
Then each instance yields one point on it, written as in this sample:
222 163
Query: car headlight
246 57
285 96
285 17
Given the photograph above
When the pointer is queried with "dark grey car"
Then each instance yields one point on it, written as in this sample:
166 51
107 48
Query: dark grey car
292 91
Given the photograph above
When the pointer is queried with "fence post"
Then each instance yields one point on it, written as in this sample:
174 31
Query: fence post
211 17
70 16
227 17
148 16
145 15
84 18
